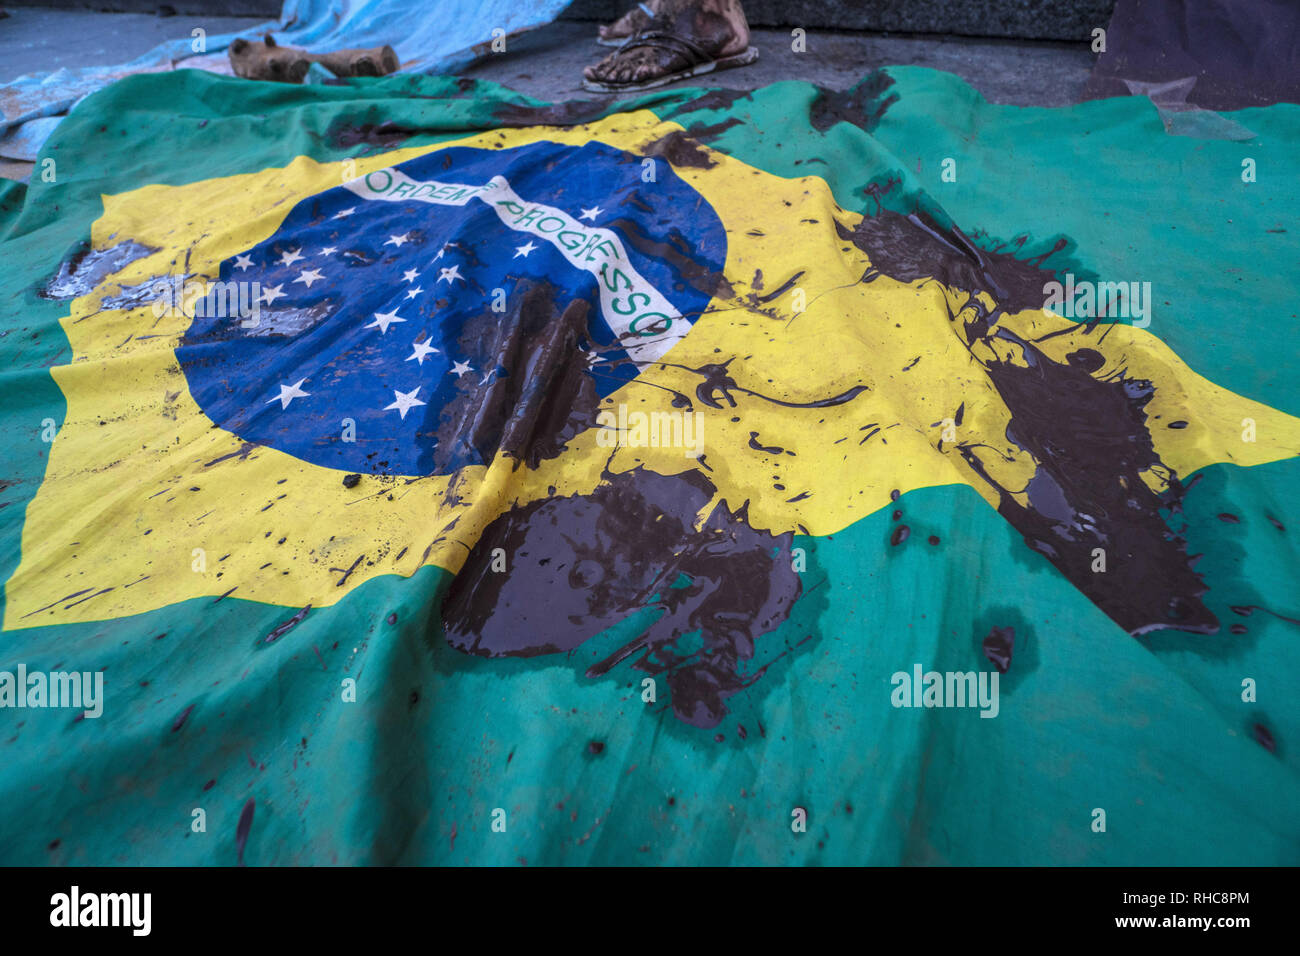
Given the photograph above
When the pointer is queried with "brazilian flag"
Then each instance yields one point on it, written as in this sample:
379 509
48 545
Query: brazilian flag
404 471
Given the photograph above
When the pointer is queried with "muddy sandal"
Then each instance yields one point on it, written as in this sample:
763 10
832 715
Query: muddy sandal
619 41
688 51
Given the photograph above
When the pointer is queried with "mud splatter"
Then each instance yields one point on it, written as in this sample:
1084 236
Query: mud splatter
913 247
712 100
581 564
179 722
718 386
344 134
1089 439
1088 435
998 646
567 113
286 627
85 269
681 149
769 449
863 105
1264 737
706 134
243 828
1246 610
677 252
541 396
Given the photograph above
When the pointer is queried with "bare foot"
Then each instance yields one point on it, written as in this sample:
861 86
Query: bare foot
634 21
717 28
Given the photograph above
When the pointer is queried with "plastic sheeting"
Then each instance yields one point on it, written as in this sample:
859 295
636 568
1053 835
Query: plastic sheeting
430 36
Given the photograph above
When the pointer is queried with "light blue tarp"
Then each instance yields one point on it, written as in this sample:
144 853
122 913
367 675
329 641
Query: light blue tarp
430 36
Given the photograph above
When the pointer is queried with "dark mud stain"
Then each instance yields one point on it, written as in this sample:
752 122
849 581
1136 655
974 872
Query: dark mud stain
85 269
581 564
1090 441
1264 737
1246 610
179 722
707 134
718 386
678 253
595 748
681 149
900 534
344 134
998 645
567 113
780 290
541 395
863 105
912 247
245 449
1087 433
243 828
351 481
286 627
770 449
712 100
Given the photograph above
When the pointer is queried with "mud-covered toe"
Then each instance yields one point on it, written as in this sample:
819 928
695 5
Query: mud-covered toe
696 68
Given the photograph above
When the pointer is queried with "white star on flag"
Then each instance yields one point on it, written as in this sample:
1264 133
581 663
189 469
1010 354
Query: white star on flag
243 262
460 368
450 274
398 240
524 250
404 402
590 214
409 275
383 320
412 293
308 276
345 212
271 293
422 351
288 393
327 250
440 252
288 258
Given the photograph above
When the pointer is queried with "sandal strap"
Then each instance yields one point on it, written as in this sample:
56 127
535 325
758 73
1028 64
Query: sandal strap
689 50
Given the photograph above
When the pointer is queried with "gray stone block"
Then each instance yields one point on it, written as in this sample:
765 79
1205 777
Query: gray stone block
1025 19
